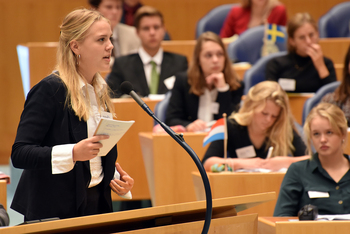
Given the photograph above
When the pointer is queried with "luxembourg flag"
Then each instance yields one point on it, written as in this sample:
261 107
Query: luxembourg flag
217 132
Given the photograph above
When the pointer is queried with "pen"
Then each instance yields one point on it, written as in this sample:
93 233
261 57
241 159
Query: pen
269 153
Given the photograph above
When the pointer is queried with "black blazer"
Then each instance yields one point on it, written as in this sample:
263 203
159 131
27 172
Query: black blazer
183 105
130 68
45 122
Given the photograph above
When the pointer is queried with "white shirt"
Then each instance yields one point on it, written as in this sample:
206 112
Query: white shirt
146 60
62 155
207 105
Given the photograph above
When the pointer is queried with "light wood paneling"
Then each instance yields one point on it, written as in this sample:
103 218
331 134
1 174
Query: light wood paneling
3 193
169 167
242 183
282 225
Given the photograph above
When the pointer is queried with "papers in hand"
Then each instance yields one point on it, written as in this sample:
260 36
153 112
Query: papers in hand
115 129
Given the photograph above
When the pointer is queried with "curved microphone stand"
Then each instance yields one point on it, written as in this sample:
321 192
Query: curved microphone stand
126 87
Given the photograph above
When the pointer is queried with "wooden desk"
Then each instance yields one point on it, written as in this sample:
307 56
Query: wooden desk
296 103
241 183
129 150
169 167
281 225
3 193
185 218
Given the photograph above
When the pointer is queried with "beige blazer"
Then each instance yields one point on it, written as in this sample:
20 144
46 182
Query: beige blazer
126 39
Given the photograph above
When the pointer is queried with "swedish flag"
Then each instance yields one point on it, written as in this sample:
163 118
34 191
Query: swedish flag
275 33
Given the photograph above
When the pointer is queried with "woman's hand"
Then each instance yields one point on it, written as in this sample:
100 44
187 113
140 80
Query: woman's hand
216 79
196 126
124 184
277 163
245 163
316 54
88 148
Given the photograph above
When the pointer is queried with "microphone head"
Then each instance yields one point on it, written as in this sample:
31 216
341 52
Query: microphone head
126 87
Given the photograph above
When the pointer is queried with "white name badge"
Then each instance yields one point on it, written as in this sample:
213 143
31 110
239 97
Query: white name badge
246 152
106 115
215 107
169 82
316 194
287 84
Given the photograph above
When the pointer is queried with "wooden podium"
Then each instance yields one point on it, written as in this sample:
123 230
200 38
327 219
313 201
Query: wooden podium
169 167
241 183
3 193
129 149
179 218
282 225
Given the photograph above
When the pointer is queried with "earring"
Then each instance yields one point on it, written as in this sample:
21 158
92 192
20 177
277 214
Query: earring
78 57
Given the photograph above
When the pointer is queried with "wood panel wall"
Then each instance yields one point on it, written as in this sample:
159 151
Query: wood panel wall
38 21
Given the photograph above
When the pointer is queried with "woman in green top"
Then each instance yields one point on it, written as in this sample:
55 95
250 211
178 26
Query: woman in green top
324 180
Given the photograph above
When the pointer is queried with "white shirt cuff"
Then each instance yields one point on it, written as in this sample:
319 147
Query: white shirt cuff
224 89
62 158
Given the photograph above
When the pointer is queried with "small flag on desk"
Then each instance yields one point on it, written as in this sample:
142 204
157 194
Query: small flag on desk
217 132
275 33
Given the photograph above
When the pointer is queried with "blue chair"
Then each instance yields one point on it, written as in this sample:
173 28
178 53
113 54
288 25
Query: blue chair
256 73
313 101
214 20
335 23
247 48
161 107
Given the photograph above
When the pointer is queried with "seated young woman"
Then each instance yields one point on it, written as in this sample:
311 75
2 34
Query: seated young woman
253 13
208 89
304 69
341 96
324 180
264 120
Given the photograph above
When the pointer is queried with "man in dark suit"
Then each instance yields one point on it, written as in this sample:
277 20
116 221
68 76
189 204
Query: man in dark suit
151 61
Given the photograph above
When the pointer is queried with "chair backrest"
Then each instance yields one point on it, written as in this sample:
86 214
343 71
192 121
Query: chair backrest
214 20
161 107
336 22
313 101
256 73
247 48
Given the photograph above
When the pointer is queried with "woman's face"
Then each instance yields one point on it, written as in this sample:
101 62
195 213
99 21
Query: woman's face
304 37
326 142
264 118
95 50
211 58
112 10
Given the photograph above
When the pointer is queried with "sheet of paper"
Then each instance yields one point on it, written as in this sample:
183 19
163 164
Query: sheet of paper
333 217
115 129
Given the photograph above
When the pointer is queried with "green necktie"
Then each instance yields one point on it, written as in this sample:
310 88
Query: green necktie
154 79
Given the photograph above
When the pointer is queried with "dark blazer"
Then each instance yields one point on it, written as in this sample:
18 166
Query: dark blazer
130 68
45 122
183 105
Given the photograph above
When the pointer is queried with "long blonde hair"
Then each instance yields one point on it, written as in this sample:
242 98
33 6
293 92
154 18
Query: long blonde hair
333 114
195 73
280 135
74 27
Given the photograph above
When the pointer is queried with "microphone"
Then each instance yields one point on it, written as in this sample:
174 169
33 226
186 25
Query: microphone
127 88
